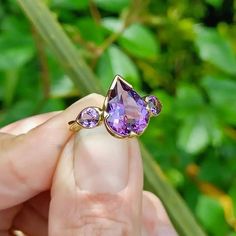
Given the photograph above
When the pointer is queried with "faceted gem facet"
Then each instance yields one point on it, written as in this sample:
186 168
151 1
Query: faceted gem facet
126 110
88 117
154 105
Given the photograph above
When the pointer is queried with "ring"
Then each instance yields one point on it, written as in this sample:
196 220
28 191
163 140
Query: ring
125 113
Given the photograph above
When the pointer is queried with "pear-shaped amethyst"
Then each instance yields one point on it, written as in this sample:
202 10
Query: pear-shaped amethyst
126 110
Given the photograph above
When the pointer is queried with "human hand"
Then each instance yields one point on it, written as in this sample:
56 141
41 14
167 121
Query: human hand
55 183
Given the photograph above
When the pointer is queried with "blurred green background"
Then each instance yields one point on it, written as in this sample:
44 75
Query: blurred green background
182 51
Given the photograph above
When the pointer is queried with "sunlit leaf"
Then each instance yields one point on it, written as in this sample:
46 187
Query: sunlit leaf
63 87
222 92
136 39
113 62
215 3
215 49
211 214
90 30
193 135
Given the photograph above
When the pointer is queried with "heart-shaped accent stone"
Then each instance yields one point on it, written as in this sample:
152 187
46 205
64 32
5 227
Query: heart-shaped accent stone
125 111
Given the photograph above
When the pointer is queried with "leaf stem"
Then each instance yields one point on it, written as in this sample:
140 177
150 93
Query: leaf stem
45 77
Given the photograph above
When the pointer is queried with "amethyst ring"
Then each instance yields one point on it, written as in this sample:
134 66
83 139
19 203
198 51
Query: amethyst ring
125 113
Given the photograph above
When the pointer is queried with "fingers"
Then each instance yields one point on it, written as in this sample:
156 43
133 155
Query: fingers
40 204
155 220
27 162
97 188
30 222
25 125
6 218
30 217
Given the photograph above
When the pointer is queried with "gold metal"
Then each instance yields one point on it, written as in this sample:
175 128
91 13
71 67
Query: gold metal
103 115
148 108
74 126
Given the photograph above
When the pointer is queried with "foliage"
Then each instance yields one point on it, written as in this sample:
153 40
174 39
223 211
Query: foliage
187 57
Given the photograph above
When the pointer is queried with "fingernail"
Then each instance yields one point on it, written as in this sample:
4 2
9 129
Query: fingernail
101 161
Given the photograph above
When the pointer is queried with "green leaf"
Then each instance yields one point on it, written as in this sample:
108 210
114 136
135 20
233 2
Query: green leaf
16 45
188 100
66 52
90 30
193 135
215 3
19 110
12 77
232 234
232 194
15 51
112 24
112 5
175 177
215 49
139 41
85 80
114 61
71 4
211 214
221 91
136 39
63 87
53 104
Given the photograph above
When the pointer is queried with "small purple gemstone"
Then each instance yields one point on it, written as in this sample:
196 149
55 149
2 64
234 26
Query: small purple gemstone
126 110
88 117
154 105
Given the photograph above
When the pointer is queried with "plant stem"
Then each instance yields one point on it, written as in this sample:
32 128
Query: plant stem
55 37
45 77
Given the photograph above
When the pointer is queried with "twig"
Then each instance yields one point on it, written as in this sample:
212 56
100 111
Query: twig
130 17
94 12
45 77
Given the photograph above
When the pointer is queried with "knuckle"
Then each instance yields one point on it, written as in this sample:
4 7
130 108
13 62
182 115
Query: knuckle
95 98
92 225
100 215
21 176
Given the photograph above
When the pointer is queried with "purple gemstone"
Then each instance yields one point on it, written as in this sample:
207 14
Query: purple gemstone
126 110
89 117
154 105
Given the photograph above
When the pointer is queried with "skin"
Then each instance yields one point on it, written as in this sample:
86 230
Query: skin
54 182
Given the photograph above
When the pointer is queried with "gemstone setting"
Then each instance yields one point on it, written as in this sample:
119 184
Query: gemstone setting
126 113
153 105
89 117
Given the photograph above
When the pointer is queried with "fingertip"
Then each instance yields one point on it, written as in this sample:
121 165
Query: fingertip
135 169
63 179
155 219
28 161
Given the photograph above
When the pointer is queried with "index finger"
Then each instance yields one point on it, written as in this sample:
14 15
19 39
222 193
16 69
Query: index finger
27 162
26 124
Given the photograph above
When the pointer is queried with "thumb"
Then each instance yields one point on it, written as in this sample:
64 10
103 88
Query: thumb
97 188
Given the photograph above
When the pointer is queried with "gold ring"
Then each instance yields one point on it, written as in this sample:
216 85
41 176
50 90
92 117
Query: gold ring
125 113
